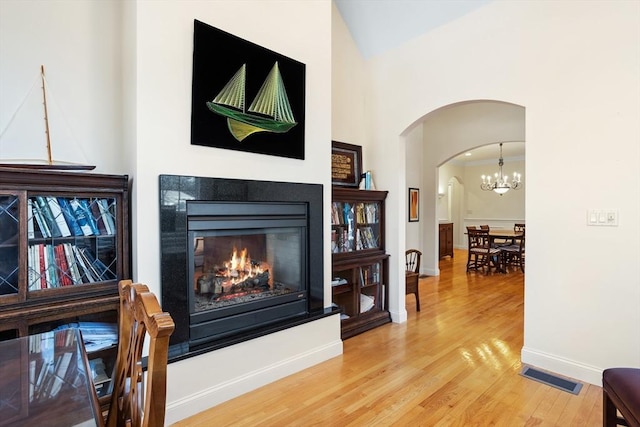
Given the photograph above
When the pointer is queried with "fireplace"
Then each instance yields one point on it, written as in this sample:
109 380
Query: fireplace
237 259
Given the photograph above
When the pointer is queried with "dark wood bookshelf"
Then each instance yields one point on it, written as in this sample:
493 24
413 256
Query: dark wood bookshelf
42 307
359 258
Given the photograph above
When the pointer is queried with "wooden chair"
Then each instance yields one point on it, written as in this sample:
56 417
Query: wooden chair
518 228
134 401
514 254
412 273
621 393
479 253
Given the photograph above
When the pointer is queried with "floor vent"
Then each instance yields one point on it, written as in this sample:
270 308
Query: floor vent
552 380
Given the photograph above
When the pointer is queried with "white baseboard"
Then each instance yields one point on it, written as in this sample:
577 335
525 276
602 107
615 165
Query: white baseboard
194 401
431 271
398 316
193 404
561 366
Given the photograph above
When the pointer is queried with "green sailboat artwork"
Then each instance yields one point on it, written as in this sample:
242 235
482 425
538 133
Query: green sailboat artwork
270 111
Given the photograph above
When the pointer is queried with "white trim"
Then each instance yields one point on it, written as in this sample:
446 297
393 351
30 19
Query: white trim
562 366
291 350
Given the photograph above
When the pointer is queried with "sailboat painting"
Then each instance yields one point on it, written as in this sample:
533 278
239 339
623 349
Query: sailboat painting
245 97
271 101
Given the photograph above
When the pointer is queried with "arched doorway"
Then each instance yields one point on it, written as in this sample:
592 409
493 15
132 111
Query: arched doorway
445 133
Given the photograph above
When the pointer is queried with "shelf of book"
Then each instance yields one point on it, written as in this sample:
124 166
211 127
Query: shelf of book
64 245
359 262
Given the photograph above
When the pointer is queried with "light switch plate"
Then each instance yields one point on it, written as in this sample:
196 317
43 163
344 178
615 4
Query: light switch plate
602 217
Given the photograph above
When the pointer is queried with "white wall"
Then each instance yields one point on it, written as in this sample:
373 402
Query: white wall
163 105
575 67
348 84
413 159
123 72
79 45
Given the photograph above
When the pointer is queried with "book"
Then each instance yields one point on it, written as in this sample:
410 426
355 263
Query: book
34 268
48 216
42 225
52 270
30 227
88 275
56 212
98 371
366 303
81 217
103 270
72 263
43 267
69 216
337 281
63 267
103 204
92 263
62 365
90 219
97 215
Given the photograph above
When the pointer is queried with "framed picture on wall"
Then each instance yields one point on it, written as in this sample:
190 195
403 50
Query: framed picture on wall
414 204
245 97
346 164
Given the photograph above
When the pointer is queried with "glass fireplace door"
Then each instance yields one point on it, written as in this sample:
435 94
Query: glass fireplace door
244 266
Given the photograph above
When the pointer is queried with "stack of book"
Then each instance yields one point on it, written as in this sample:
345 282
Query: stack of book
65 264
64 217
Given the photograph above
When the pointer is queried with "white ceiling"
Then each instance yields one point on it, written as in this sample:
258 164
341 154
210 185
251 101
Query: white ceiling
379 25
488 153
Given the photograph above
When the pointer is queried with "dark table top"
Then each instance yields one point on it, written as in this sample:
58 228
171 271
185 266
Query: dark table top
45 381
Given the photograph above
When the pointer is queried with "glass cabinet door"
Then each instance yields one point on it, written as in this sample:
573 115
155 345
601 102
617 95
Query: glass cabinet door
370 281
355 226
9 244
72 241
368 226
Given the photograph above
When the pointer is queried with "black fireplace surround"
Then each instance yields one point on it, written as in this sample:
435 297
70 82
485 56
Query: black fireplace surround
263 213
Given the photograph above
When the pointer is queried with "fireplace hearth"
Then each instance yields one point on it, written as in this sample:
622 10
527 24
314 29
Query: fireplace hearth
236 259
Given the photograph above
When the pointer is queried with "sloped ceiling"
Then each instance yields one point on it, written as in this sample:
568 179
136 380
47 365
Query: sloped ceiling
380 25
377 26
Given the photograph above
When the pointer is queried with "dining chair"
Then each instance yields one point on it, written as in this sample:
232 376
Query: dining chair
138 399
518 228
480 254
621 394
412 273
514 253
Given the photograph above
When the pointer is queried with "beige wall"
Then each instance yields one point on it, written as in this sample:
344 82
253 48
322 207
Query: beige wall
580 88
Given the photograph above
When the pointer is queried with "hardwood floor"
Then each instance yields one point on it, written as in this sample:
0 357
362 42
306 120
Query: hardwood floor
456 363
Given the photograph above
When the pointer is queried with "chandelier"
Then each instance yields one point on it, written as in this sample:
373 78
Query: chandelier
501 183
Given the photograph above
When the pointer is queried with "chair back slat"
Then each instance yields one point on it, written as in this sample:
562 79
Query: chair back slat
139 399
412 260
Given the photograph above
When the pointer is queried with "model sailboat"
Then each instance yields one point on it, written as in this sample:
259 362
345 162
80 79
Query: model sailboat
270 111
48 163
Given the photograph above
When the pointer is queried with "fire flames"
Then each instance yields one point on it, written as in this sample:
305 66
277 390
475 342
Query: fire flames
237 276
240 267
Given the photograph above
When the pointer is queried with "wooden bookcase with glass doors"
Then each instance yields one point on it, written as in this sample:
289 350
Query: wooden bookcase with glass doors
64 245
359 263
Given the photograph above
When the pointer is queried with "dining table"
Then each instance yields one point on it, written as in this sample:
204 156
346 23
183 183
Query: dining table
506 234
45 380
510 236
